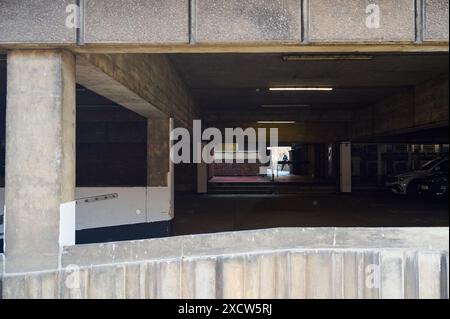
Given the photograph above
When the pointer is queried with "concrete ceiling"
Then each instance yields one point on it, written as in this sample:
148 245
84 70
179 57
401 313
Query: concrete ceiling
236 81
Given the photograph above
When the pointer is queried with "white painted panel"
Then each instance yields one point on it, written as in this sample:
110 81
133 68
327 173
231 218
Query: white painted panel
67 224
159 204
134 205
128 208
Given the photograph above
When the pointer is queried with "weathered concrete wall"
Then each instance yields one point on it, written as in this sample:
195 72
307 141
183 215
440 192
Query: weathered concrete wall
183 23
431 104
426 106
276 263
147 84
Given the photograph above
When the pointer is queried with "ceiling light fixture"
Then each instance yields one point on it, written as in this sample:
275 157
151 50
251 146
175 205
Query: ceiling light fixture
301 89
343 57
284 105
276 122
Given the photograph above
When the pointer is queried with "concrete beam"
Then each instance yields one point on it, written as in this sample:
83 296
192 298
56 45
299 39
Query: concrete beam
184 23
299 132
146 84
40 156
101 83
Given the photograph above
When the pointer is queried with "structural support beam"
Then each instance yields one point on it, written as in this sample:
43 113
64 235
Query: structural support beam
346 167
146 84
40 156
160 171
202 176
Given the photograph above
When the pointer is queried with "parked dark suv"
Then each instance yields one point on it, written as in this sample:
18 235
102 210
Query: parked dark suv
408 183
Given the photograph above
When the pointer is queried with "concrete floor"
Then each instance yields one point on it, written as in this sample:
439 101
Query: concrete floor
216 213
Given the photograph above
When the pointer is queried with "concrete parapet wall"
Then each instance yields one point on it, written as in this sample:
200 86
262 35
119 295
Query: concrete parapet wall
274 263
183 22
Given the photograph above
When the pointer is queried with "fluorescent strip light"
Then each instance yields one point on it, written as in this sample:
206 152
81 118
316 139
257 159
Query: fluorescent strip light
276 122
284 105
301 89
290 58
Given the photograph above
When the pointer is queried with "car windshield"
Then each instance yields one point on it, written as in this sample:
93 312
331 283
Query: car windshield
429 165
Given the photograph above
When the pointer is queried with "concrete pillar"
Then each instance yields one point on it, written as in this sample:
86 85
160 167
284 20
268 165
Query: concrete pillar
410 149
312 160
202 176
158 151
40 156
160 171
345 167
380 163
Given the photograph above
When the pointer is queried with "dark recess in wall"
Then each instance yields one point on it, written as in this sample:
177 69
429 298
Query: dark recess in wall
111 143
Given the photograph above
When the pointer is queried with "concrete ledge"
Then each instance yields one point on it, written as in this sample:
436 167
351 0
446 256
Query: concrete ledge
262 241
274 263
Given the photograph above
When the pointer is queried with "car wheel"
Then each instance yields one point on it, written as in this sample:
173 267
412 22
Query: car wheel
413 189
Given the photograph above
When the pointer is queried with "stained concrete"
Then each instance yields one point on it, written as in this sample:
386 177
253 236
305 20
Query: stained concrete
36 21
40 156
273 263
436 23
217 21
180 23
137 21
345 21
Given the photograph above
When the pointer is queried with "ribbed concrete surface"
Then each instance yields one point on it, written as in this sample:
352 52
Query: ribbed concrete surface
130 269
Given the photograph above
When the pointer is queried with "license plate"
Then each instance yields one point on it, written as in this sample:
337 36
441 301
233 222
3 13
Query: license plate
425 187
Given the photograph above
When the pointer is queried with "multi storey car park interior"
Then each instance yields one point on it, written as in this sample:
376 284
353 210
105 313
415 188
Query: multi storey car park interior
359 175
